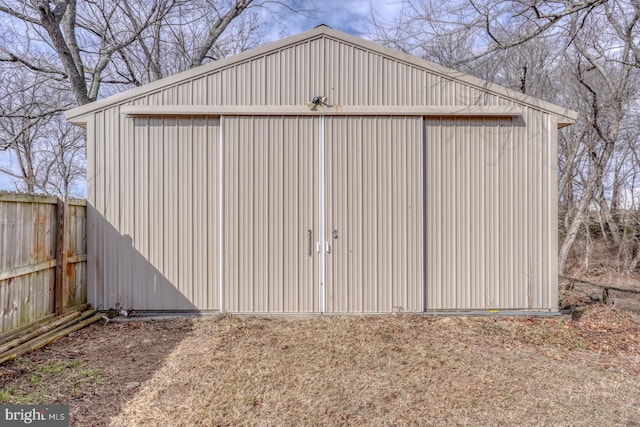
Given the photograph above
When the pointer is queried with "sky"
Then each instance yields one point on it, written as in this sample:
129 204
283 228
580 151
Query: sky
5 180
350 16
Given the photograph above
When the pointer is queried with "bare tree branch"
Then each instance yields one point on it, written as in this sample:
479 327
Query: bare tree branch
216 30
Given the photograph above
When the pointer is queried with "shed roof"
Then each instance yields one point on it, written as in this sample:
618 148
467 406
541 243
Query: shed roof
565 116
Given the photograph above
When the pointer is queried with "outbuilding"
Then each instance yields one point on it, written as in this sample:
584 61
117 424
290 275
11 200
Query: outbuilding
322 173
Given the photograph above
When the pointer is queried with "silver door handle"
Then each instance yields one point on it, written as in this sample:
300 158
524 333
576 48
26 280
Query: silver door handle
328 247
318 247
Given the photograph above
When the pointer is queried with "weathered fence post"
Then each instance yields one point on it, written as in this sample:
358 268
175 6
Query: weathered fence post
62 243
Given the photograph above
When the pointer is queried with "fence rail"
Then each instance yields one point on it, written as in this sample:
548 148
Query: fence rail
43 253
605 288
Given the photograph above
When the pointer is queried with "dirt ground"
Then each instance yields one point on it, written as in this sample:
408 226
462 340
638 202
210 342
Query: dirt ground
580 369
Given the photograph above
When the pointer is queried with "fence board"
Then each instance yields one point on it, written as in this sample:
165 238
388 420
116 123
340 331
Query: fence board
29 258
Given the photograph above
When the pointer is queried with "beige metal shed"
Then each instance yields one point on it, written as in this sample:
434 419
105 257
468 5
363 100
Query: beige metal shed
411 188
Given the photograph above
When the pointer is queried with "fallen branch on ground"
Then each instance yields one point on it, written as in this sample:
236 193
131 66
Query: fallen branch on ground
598 285
27 329
605 288
77 323
43 329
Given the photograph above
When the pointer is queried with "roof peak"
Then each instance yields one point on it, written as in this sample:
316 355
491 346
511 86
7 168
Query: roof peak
76 114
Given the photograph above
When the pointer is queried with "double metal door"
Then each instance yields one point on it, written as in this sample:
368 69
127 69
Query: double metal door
322 214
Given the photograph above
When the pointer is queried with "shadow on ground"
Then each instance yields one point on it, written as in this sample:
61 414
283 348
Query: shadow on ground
106 362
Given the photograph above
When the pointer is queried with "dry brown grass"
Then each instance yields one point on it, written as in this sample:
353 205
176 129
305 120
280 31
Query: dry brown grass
342 370
397 370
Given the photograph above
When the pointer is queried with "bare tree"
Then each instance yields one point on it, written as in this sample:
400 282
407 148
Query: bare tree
186 38
33 131
605 68
582 54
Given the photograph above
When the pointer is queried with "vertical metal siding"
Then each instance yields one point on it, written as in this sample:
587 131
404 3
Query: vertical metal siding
346 74
244 82
214 91
140 236
155 208
283 62
374 204
102 288
310 75
228 83
488 204
171 194
155 214
487 233
200 90
124 228
269 204
273 89
185 164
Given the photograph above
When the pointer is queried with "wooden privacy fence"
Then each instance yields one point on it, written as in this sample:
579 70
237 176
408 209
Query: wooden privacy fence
43 254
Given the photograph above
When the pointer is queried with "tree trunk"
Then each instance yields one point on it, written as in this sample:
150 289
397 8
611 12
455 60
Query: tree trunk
612 224
595 179
51 22
217 30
